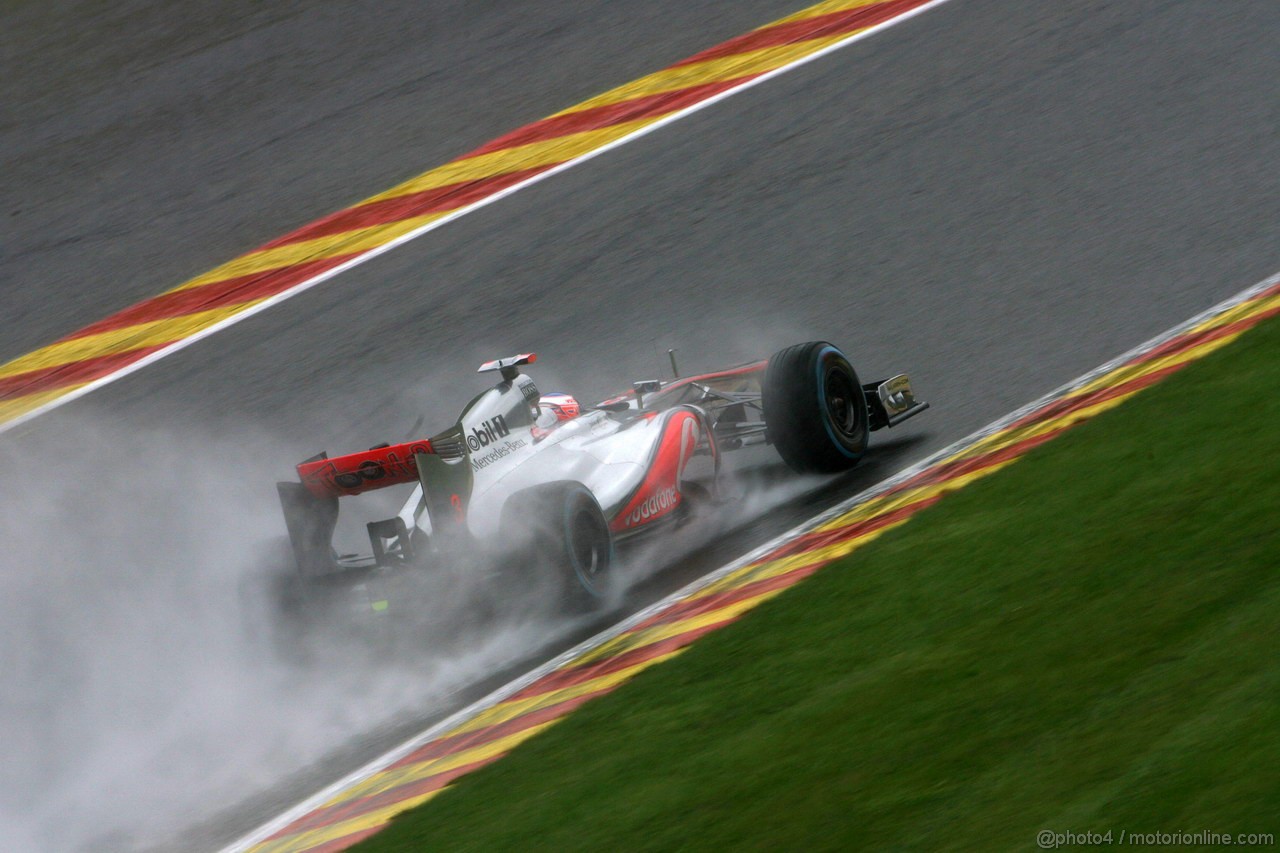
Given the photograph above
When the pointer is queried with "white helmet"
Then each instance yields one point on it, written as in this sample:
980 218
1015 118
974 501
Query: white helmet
557 407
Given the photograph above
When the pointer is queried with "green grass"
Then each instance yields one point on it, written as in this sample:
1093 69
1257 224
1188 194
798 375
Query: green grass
1085 641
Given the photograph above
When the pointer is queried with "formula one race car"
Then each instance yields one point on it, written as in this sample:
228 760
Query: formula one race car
538 480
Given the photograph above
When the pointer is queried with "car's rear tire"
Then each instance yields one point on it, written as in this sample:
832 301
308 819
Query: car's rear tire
815 410
560 530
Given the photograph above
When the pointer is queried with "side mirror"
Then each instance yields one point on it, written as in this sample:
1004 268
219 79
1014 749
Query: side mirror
645 386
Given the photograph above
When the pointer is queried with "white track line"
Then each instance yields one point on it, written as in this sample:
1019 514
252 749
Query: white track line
497 696
460 212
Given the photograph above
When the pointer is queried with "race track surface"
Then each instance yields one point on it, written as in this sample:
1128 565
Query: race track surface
139 147
993 196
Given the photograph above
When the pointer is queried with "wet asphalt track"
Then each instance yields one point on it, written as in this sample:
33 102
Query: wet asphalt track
995 196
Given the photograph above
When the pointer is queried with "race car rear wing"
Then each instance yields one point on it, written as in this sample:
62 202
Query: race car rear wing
310 506
376 468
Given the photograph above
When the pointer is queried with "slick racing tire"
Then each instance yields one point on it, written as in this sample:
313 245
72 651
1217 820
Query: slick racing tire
815 411
560 529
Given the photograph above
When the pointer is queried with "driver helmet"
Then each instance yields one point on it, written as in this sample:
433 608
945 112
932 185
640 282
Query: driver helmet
562 406
554 407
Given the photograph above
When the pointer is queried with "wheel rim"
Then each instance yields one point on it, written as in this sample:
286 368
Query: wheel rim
841 399
588 550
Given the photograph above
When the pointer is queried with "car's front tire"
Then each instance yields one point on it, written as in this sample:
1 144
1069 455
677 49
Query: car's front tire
815 410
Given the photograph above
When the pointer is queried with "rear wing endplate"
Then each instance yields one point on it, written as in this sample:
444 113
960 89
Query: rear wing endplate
310 521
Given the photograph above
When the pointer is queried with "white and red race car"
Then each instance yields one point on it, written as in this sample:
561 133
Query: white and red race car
547 483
